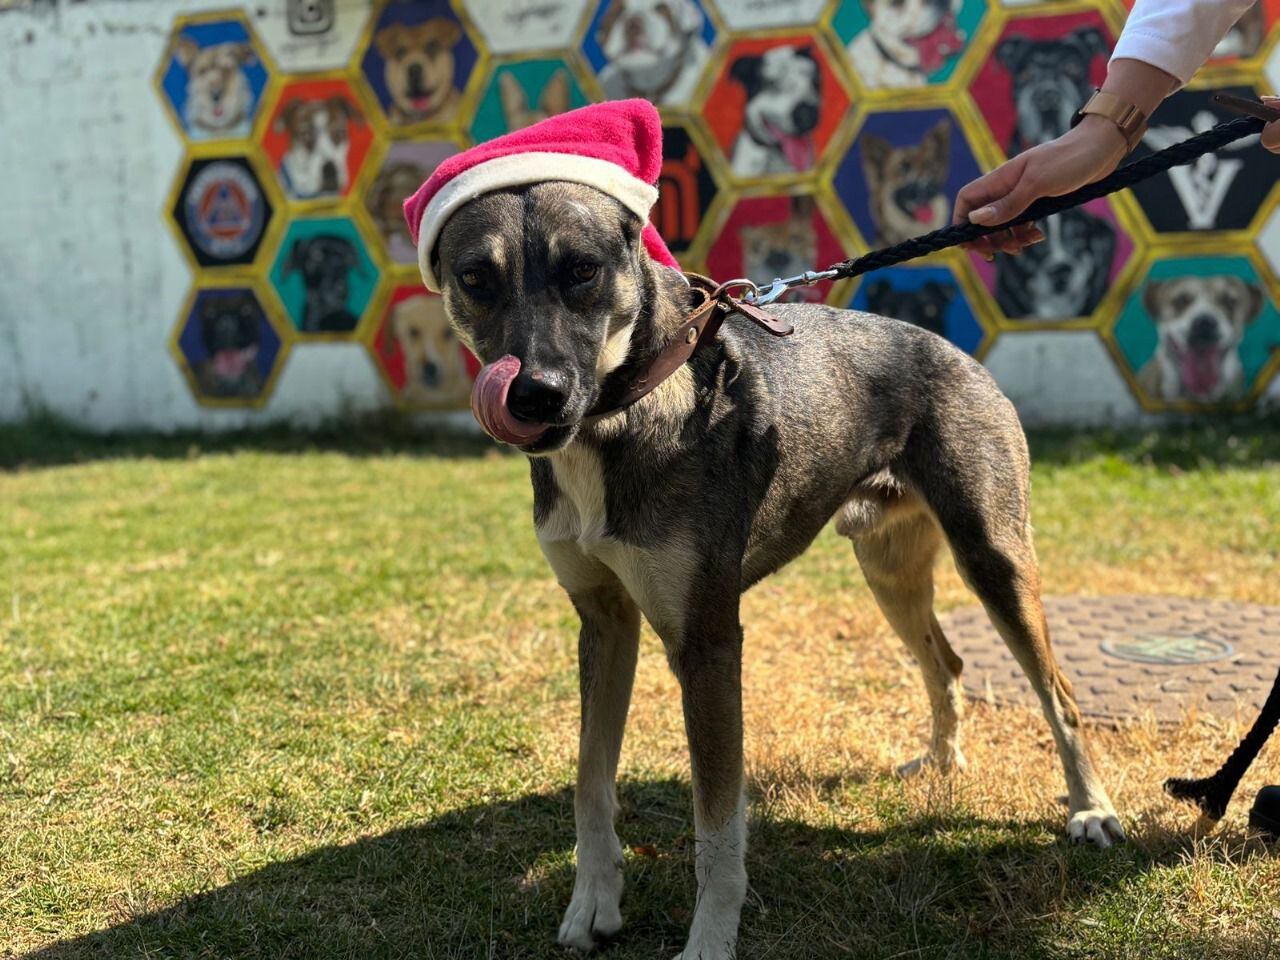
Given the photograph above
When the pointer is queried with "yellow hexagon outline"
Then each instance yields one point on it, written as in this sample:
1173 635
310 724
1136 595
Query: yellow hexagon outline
780 182
1265 374
268 263
218 150
466 102
260 48
228 282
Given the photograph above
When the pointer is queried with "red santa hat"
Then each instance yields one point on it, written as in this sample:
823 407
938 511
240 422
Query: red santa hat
615 147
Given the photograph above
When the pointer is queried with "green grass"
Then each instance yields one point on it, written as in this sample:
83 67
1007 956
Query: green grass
272 696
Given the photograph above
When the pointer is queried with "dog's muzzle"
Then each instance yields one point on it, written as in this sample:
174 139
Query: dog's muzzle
489 404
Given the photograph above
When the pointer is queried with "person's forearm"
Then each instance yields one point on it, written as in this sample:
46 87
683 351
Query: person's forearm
1177 36
1139 83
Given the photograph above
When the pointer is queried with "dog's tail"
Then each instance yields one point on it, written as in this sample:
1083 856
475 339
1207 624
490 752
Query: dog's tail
1213 794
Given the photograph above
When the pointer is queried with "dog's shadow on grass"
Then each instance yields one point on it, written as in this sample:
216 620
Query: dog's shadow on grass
492 880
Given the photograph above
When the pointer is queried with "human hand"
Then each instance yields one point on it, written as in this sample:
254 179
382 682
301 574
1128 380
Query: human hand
1081 156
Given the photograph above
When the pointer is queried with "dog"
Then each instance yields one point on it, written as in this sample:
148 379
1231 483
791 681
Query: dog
725 472
434 371
231 333
1200 322
1050 82
906 41
518 112
1245 38
386 206
219 99
784 248
326 262
419 70
906 185
925 308
1064 277
784 103
655 49
319 137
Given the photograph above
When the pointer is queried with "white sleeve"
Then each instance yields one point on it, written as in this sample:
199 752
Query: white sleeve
1177 36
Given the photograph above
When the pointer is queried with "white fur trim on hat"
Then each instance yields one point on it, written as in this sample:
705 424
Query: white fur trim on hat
516 170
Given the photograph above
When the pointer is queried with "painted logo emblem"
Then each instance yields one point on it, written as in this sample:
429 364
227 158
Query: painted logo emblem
1171 650
224 209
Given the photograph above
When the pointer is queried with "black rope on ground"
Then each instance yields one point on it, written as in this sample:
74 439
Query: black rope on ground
1212 794
1126 176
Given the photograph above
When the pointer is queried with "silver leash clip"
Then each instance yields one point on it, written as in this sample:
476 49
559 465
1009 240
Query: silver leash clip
764 296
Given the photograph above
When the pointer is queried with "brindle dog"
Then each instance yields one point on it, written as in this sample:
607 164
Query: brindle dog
674 506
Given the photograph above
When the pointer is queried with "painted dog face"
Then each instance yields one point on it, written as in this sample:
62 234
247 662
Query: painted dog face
544 285
1050 81
783 249
783 100
1200 322
419 66
319 140
916 34
908 183
218 93
647 40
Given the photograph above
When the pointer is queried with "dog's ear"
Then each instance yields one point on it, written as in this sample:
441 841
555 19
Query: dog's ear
937 143
802 207
746 71
687 18
1091 42
297 253
450 31
343 107
1252 302
388 40
554 98
245 55
1012 52
876 151
1152 295
284 119
512 96
184 49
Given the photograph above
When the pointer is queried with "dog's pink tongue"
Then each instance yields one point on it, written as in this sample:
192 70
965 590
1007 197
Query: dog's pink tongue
489 404
940 43
1200 371
797 148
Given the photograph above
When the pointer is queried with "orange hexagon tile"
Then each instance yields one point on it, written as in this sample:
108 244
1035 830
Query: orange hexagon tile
317 138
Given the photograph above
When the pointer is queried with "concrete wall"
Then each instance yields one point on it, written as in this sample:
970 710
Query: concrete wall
101 292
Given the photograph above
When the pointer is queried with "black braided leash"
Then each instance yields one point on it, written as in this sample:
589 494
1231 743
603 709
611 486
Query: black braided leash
1178 155
1212 794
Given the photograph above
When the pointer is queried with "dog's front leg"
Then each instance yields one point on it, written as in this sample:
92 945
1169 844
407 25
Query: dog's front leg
709 666
607 647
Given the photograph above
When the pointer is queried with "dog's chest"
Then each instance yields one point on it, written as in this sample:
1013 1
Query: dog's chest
574 536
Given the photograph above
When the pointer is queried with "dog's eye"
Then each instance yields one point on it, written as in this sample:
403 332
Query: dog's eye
584 272
1180 302
471 279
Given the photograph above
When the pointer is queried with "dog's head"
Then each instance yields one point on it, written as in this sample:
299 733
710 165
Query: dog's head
419 64
925 308
647 39
218 94
1067 274
546 284
518 113
1050 80
325 262
385 199
319 138
430 349
784 88
231 334
917 34
912 178
1200 320
783 249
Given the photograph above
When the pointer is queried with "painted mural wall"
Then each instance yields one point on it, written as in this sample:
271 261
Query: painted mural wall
211 232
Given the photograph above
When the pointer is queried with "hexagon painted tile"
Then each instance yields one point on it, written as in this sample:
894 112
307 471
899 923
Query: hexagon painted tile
316 138
686 188
324 276
775 105
227 346
525 26
305 35
213 77
931 297
221 211
519 94
656 49
406 164
892 44
421 360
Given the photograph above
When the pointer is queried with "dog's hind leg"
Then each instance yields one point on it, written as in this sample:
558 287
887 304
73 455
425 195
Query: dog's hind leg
607 647
994 553
897 559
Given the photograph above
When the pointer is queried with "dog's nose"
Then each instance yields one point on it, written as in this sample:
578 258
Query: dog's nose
538 395
415 76
1204 331
805 116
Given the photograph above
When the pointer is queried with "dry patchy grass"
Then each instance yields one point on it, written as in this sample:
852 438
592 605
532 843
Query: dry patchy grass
281 702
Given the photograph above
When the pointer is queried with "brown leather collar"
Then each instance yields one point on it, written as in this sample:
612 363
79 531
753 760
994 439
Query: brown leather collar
711 303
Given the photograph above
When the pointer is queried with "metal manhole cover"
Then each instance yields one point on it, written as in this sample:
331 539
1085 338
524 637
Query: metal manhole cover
1130 656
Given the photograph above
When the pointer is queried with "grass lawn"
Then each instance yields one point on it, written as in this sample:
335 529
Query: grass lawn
317 699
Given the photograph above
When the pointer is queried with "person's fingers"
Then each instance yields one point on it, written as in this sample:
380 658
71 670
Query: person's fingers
1003 209
1271 136
988 189
1028 234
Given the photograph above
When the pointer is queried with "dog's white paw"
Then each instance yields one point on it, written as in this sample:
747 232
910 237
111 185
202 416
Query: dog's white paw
955 763
691 952
1099 827
593 915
